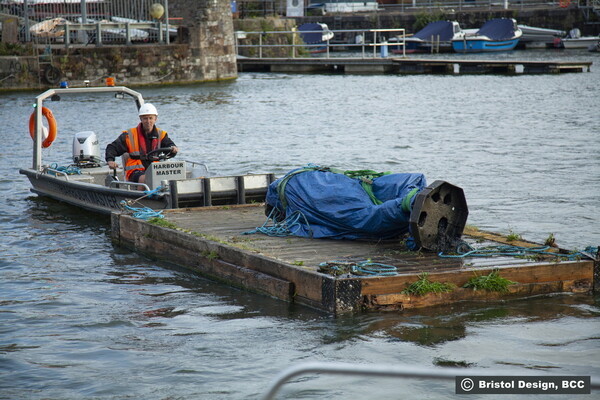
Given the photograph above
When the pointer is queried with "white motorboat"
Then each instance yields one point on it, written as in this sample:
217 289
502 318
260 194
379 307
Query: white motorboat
575 41
584 42
87 182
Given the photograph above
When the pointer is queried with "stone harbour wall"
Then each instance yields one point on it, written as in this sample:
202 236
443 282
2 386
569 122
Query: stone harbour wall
204 51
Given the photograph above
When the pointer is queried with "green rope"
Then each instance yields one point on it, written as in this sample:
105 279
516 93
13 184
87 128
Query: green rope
465 250
366 177
283 183
407 199
362 268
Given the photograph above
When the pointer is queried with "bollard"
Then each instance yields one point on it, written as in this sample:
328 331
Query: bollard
383 51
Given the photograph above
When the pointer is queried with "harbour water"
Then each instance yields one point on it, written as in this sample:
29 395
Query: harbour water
82 318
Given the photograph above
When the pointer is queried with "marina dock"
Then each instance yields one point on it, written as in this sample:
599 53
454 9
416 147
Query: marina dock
400 66
211 241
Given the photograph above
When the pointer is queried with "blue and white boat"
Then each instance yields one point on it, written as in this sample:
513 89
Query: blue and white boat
501 34
434 37
316 36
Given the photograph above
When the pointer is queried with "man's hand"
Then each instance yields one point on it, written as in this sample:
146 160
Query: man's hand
174 150
113 165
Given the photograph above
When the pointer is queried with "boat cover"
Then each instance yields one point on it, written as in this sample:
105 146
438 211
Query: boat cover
498 29
328 203
311 37
442 28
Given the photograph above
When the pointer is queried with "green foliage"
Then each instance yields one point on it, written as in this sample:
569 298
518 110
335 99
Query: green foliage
424 286
15 49
424 18
492 282
550 241
512 236
211 255
298 263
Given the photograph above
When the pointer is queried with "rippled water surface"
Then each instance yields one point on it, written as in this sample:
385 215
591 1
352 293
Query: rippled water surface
81 318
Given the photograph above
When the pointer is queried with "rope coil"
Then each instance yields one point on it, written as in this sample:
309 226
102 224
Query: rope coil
144 213
69 169
284 228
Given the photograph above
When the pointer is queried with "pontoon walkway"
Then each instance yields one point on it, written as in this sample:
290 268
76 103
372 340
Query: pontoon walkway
408 66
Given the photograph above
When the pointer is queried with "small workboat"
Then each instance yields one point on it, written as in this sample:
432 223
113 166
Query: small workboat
575 41
88 183
500 34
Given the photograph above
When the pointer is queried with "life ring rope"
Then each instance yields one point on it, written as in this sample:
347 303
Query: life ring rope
51 126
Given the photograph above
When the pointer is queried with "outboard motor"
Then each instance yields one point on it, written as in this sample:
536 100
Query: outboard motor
86 149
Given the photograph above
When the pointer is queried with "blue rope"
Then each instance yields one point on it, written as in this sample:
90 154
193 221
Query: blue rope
288 227
144 213
151 193
69 170
465 250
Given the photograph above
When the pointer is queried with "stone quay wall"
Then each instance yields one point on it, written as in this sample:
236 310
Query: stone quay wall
204 51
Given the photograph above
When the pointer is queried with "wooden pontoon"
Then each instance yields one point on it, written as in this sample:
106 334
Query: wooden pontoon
211 242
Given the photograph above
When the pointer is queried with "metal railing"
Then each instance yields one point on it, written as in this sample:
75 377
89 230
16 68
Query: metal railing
466 5
370 42
92 21
264 8
387 371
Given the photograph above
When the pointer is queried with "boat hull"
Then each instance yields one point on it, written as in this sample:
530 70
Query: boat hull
483 45
580 43
89 196
80 191
422 46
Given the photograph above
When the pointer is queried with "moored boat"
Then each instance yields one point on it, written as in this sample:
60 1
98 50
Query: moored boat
501 34
50 28
316 36
434 37
575 41
88 183
535 37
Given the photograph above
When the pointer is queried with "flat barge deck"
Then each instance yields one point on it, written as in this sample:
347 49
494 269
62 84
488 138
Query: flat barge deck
408 66
211 241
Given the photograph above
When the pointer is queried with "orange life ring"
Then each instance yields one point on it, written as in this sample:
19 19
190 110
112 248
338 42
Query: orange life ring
51 126
565 3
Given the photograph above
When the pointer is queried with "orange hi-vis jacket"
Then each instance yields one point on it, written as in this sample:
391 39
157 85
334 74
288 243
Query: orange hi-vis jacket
136 145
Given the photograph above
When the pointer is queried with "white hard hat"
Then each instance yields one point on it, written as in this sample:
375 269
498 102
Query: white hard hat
147 109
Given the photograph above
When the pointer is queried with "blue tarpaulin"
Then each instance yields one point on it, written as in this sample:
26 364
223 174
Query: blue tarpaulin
498 29
443 29
334 205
